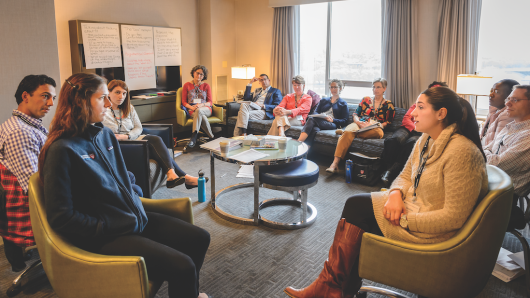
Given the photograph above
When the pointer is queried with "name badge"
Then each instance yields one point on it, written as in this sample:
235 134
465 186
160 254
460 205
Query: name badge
299 117
196 100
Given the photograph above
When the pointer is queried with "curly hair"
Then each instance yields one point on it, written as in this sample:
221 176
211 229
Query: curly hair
204 70
74 110
30 83
338 82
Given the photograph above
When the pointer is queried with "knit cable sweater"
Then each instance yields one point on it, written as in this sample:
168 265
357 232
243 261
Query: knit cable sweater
453 179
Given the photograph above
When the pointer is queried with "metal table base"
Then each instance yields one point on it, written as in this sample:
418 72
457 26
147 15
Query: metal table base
298 200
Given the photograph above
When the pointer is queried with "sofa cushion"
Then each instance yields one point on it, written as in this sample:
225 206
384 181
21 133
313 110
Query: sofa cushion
369 147
315 99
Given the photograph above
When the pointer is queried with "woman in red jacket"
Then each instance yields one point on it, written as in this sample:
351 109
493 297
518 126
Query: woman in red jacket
293 109
197 101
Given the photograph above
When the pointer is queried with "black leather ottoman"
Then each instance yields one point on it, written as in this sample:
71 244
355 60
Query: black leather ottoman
296 177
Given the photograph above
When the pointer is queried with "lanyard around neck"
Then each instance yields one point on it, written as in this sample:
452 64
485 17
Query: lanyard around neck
116 118
30 124
421 167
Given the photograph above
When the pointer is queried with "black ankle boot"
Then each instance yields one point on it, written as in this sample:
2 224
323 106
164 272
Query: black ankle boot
193 140
388 177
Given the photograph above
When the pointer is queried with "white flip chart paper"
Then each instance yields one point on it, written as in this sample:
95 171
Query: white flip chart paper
101 44
167 46
138 56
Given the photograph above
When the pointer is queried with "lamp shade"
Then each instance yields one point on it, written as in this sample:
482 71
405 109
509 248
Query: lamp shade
243 72
467 84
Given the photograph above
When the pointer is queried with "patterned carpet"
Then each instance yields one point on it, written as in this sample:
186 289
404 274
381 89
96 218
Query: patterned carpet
255 261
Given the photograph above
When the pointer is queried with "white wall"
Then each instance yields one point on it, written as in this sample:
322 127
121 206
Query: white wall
254 19
29 46
170 13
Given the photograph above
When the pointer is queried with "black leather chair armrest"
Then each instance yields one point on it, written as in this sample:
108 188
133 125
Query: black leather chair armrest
165 131
136 156
232 108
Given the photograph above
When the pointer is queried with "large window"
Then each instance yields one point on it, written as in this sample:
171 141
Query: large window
503 50
341 40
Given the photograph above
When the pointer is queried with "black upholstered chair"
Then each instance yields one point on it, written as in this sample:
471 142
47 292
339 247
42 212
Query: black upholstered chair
135 153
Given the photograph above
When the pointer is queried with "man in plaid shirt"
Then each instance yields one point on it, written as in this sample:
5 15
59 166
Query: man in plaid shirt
510 151
21 139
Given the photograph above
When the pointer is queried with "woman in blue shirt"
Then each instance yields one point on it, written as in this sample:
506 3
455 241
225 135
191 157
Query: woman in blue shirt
335 109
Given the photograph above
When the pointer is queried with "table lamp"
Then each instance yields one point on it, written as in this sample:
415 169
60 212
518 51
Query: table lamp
473 84
245 72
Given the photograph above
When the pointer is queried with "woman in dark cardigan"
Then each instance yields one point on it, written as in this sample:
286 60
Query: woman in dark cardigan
335 109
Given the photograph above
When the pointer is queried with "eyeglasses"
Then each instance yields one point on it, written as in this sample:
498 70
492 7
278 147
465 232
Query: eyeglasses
334 87
514 100
496 91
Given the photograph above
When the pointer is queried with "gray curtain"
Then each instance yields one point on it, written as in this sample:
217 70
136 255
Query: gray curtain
284 48
458 39
400 51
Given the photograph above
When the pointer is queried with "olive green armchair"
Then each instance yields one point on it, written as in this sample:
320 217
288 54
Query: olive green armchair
74 272
458 267
216 119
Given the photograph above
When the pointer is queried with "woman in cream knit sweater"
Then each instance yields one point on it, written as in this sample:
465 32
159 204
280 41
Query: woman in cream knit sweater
428 202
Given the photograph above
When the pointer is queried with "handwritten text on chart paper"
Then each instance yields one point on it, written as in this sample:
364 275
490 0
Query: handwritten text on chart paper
167 46
138 54
101 45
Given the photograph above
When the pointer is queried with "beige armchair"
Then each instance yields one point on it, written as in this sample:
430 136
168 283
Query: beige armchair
74 272
458 267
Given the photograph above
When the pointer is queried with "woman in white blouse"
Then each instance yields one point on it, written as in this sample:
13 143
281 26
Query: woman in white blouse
123 120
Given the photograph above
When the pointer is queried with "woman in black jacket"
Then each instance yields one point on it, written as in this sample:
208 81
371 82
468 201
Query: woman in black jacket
89 198
335 110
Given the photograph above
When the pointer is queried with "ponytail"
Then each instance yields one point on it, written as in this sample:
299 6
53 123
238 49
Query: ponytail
459 111
468 126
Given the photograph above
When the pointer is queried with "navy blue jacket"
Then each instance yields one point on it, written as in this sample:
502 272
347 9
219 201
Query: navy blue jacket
340 110
272 99
87 190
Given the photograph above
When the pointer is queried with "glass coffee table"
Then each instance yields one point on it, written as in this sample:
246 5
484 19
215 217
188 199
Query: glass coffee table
294 151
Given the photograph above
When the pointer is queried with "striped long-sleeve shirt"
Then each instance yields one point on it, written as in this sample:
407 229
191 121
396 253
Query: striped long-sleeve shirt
21 139
510 151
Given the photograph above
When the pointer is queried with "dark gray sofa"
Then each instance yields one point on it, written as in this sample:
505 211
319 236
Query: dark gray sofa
326 140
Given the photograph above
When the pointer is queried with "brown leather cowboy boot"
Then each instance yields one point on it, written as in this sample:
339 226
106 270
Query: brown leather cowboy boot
342 256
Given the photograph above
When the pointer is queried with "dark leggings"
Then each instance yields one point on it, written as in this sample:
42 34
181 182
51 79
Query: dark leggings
173 251
158 151
359 211
313 126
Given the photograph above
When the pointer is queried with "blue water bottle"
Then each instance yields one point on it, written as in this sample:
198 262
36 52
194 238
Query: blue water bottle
349 165
202 187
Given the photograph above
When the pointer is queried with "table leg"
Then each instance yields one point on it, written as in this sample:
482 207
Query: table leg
256 193
212 177
303 218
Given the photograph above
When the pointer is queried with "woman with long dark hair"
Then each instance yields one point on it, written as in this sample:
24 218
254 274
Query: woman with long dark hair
90 201
122 119
428 202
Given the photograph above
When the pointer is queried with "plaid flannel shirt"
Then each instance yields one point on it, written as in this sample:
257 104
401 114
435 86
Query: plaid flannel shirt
21 139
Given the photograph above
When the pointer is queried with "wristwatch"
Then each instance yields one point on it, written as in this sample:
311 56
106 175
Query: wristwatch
403 222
